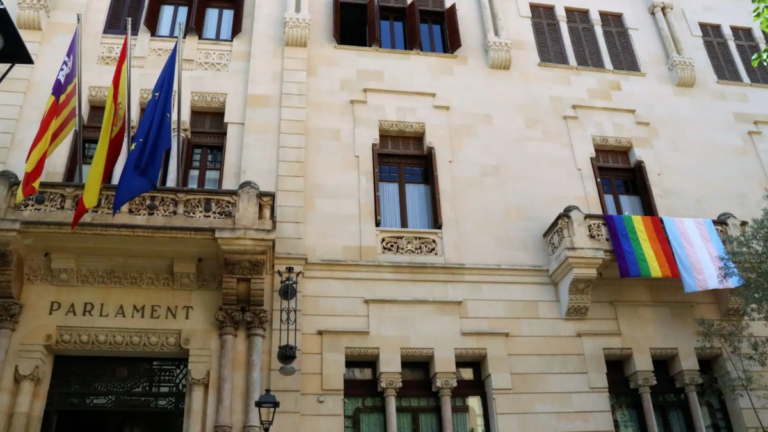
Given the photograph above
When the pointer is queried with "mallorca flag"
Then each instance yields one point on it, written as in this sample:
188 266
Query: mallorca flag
58 121
110 140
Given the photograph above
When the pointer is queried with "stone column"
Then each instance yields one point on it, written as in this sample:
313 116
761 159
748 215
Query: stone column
197 402
228 319
256 321
390 383
27 383
643 381
670 19
498 18
689 380
9 317
487 19
655 9
444 383
563 20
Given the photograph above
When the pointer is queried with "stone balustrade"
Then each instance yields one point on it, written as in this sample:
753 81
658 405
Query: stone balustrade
579 244
246 207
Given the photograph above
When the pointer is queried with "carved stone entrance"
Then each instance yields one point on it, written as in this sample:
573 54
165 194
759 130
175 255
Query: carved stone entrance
114 394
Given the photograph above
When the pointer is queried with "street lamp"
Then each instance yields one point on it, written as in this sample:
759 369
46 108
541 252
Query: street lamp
13 51
267 405
289 299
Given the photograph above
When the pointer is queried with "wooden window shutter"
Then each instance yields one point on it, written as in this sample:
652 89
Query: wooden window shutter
719 53
583 38
436 187
746 47
413 22
599 185
337 21
152 15
237 25
119 10
374 32
197 18
376 199
645 189
546 32
619 44
452 28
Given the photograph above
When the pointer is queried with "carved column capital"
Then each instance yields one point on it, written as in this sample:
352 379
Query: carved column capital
390 383
444 383
688 380
656 7
33 376
229 320
9 314
256 319
199 381
32 14
667 7
683 71
185 132
245 266
642 381
499 53
296 30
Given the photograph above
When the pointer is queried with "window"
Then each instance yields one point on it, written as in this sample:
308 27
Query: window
171 15
363 403
205 157
626 406
405 184
719 53
438 26
546 32
91 131
713 409
392 28
218 24
119 10
356 22
623 189
432 33
746 47
619 44
670 405
468 400
583 38
418 408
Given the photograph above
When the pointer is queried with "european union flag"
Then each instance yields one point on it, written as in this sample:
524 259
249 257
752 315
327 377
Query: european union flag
152 140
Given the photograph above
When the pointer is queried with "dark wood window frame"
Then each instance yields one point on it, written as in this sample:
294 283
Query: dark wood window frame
417 158
665 385
418 389
472 388
205 139
546 33
746 47
362 389
391 15
586 48
91 131
619 42
176 5
221 6
431 18
618 385
195 14
119 10
616 165
707 370
719 53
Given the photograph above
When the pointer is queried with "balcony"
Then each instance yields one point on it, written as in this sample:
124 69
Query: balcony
579 245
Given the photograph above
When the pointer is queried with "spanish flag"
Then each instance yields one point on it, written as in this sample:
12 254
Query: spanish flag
59 119
111 139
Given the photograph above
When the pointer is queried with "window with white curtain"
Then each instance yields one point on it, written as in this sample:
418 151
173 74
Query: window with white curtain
405 193
623 188
218 24
170 17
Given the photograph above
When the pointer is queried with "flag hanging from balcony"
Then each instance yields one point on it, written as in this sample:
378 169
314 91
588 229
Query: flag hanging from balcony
58 121
698 249
111 139
640 246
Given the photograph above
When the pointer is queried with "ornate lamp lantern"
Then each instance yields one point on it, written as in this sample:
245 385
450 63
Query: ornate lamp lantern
289 300
267 405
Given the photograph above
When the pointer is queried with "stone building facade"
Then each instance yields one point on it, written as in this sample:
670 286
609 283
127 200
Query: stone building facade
438 170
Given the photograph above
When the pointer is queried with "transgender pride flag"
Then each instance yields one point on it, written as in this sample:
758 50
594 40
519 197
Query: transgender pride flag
697 249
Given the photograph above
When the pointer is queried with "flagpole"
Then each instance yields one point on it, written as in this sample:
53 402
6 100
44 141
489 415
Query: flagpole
179 155
79 105
128 90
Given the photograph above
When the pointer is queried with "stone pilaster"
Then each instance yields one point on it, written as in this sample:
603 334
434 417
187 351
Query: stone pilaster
197 401
390 383
229 320
681 68
27 380
643 381
444 383
10 310
688 380
256 321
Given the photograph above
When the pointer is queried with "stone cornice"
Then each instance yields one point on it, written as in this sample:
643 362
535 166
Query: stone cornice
113 339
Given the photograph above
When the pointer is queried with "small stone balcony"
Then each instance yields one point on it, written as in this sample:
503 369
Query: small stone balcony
245 208
579 245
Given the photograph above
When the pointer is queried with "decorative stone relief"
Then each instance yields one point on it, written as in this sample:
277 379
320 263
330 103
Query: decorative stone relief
31 12
705 353
43 201
160 51
33 376
199 381
185 280
612 142
153 205
663 353
642 380
409 245
686 379
417 352
87 338
296 30
597 231
256 318
499 54
209 100
213 61
10 310
185 132
556 236
617 353
390 384
444 383
243 266
361 352
470 352
117 278
97 96
579 298
229 319
683 71
402 127
109 54
209 208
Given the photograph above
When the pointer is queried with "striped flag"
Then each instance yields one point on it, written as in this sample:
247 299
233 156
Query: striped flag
59 119
698 249
640 246
111 139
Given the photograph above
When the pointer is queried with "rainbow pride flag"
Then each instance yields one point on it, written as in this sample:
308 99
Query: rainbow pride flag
641 247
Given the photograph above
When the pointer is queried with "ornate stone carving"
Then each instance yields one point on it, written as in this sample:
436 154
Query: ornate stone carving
409 245
209 208
499 54
579 298
108 277
617 353
361 352
400 126
31 12
185 280
417 352
597 231
33 376
688 380
160 51
614 142
296 30
153 205
222 428
391 383
6 258
97 96
663 353
470 352
256 319
229 319
43 201
642 380
213 61
88 338
118 278
243 266
185 132
209 100
63 276
109 55
705 353
9 314
444 383
199 381
683 71
556 236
